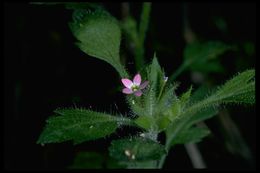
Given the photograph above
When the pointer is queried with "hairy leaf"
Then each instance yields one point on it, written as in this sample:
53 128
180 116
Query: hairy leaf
240 89
199 94
145 122
155 78
79 125
168 96
162 122
136 149
185 97
99 35
156 75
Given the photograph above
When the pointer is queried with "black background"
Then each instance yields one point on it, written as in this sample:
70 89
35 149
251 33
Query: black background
44 70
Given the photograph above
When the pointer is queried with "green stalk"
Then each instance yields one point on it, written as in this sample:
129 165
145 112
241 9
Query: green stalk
143 26
144 21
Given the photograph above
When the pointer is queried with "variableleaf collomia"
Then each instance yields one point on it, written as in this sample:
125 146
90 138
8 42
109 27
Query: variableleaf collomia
99 35
78 125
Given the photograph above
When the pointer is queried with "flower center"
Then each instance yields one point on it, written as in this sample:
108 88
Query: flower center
135 87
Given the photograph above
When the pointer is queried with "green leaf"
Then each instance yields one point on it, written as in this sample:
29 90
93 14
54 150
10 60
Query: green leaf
163 122
203 56
99 35
240 89
156 74
191 135
175 110
167 99
199 94
185 97
155 78
135 105
79 125
136 150
145 122
185 122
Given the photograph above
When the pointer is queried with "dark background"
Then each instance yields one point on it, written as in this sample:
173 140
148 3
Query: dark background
44 70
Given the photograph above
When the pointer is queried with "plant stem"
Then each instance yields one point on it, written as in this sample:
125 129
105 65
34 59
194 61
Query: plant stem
167 147
195 156
143 26
161 162
144 21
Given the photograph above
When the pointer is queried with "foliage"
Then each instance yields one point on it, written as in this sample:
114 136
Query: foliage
202 57
136 149
99 35
78 125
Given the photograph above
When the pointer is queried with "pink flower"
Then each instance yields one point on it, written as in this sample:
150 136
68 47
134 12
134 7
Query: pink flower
134 87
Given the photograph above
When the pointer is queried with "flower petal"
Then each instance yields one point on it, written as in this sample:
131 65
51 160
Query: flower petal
137 79
138 93
127 91
144 84
127 83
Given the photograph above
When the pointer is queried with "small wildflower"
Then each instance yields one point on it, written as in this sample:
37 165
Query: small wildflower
135 86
